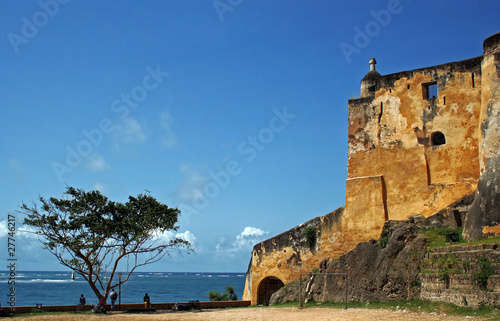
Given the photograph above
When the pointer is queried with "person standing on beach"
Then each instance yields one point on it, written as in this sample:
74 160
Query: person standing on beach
82 300
147 301
113 296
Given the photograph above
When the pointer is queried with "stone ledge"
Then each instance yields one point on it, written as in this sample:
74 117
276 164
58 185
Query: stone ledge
462 298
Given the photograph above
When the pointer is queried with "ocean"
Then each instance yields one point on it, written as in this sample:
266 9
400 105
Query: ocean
57 288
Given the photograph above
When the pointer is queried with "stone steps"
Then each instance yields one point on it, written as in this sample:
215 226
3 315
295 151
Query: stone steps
457 281
473 299
465 248
449 275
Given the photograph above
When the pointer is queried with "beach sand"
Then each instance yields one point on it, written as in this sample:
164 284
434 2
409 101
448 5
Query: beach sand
264 314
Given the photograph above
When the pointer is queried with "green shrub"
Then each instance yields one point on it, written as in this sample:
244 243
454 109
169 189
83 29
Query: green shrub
310 234
384 237
228 295
486 271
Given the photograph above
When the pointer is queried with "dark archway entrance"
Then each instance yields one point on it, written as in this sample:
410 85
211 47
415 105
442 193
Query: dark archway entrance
267 287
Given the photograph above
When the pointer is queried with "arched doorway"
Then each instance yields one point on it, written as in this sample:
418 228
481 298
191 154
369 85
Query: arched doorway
267 287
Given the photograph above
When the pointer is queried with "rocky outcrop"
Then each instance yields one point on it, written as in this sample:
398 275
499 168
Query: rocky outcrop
377 270
383 270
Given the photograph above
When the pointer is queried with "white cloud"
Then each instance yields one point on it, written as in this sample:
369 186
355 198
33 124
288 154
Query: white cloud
26 239
166 120
96 163
187 236
15 165
191 188
242 244
3 228
169 235
28 232
21 231
16 169
130 131
99 186
249 237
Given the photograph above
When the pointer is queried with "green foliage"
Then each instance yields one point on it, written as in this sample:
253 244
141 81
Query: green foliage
91 234
444 275
446 267
490 240
384 237
310 234
485 272
228 295
466 265
436 237
37 311
409 305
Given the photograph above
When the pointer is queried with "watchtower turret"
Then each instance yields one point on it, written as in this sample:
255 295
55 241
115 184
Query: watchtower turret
369 83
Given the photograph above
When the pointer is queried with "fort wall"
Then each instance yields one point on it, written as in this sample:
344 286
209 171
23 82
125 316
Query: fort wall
418 140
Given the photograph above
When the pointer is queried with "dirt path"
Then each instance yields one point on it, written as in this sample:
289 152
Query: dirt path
264 314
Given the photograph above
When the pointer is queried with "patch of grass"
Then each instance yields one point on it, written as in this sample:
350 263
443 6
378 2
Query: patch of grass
411 305
437 237
384 237
490 240
49 314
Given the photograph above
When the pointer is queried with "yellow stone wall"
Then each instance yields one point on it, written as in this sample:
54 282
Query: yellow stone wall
390 135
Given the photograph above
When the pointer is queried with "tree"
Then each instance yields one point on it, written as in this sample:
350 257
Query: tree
91 235
228 295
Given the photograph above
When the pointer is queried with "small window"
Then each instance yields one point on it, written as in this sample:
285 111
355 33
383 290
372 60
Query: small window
430 90
438 138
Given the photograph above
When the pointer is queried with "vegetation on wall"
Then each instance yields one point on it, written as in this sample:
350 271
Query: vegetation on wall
384 237
484 273
310 234
451 265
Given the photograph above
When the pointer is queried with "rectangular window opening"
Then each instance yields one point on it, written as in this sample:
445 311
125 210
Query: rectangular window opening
473 83
430 90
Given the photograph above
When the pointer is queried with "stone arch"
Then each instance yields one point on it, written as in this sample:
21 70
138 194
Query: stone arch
266 288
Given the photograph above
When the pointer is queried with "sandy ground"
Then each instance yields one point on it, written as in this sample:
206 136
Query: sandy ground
264 314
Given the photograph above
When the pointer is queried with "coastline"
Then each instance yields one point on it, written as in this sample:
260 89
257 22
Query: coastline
56 288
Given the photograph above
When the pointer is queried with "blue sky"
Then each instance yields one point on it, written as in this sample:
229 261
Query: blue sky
235 111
